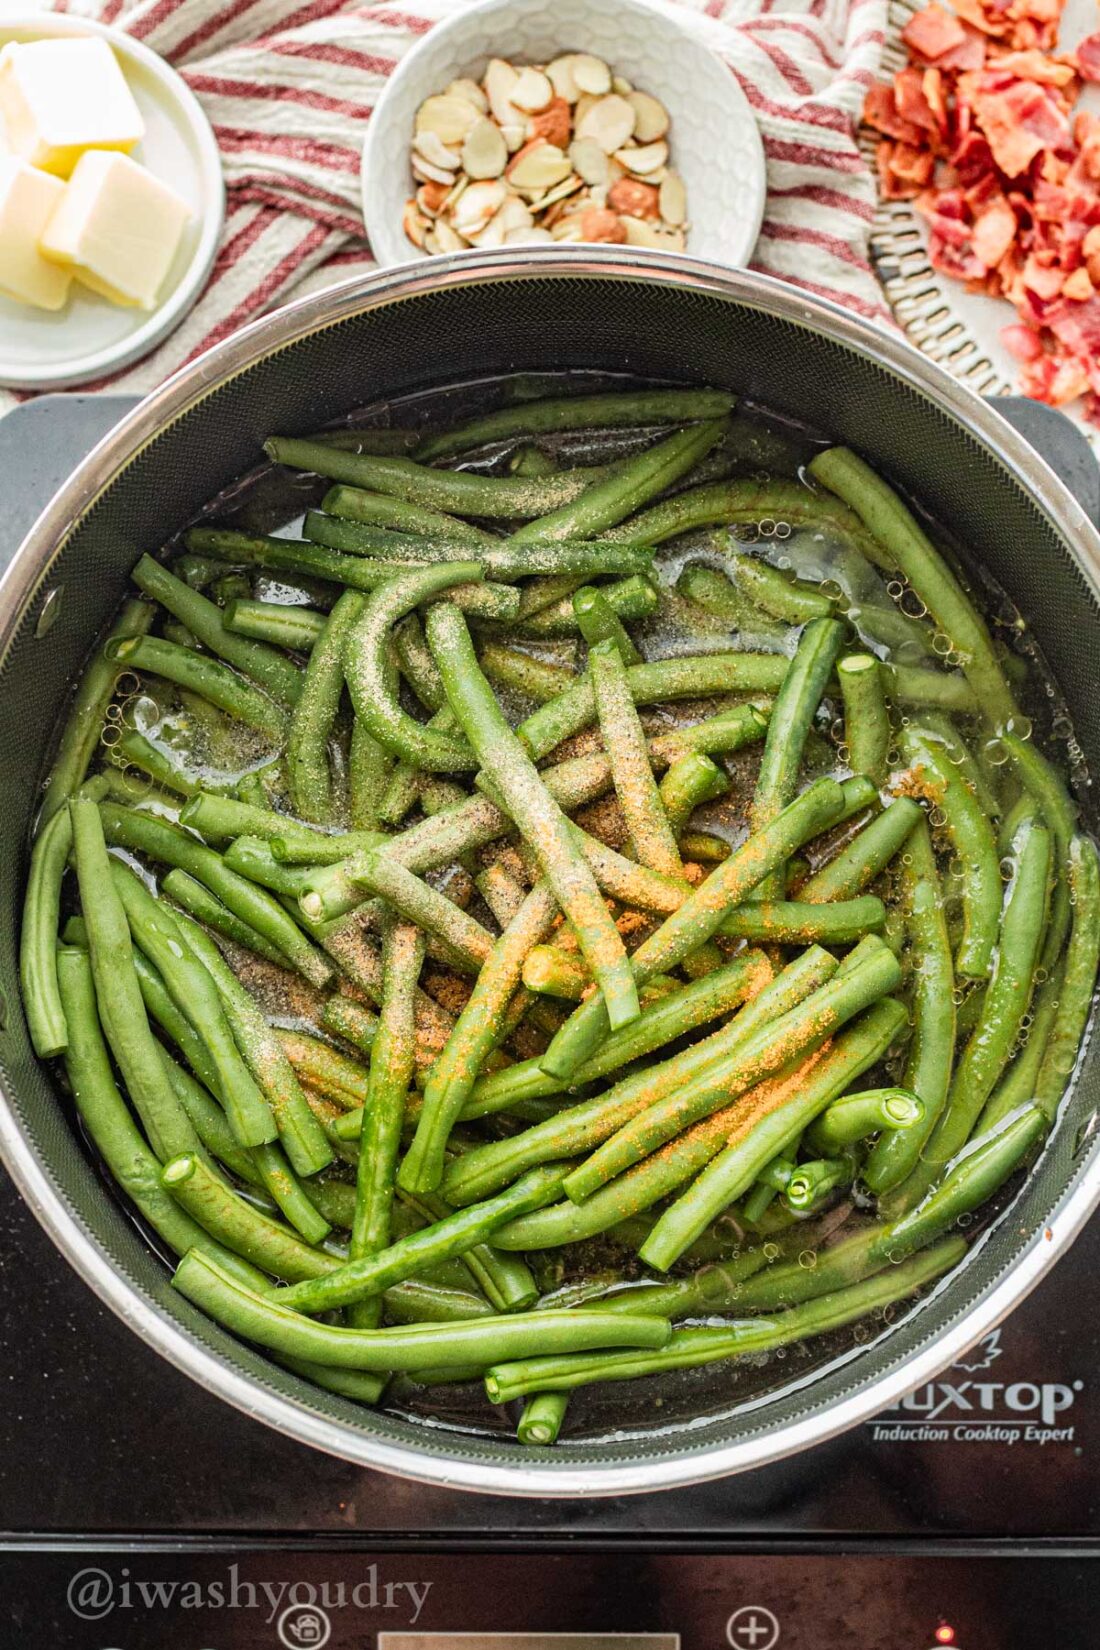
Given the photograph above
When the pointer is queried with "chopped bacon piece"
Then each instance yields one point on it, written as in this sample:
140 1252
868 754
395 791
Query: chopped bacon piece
932 32
1085 57
981 132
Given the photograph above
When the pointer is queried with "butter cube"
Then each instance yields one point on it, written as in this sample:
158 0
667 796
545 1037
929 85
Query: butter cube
60 97
27 198
117 228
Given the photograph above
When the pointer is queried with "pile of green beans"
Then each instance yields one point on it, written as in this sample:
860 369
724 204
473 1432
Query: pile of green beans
471 959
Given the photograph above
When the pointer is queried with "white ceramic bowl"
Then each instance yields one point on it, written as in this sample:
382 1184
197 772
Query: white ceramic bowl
714 139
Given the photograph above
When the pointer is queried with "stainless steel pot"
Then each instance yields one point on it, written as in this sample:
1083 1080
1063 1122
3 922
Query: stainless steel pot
455 319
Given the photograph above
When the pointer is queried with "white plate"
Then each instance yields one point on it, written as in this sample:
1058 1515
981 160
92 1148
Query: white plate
47 349
959 329
725 179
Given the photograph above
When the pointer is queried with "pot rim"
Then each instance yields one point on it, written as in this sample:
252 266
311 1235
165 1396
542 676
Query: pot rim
152 1323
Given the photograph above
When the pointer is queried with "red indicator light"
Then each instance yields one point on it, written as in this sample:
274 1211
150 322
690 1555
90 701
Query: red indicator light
945 1634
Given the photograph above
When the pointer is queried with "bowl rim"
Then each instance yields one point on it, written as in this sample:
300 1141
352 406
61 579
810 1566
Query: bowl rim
383 236
164 1332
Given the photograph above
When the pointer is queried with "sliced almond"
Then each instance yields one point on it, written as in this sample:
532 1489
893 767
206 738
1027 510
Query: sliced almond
500 82
589 160
431 242
471 91
515 214
598 195
585 102
640 233
567 229
492 235
554 123
634 199
560 192
454 194
610 121
435 152
532 91
478 203
484 153
620 85
514 135
538 165
447 237
650 117
432 198
560 75
673 199
591 73
526 237
424 172
448 118
415 224
643 159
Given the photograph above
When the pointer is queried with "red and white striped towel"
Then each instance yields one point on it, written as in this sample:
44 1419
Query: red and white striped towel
289 89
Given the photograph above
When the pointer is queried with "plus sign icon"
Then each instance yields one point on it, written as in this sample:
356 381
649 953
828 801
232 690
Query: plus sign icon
752 1627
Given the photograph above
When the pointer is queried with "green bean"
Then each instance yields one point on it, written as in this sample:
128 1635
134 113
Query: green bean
121 1009
271 1322
792 716
676 1014
201 904
466 942
811 1184
585 1126
476 1032
869 852
613 409
1079 980
1017 1086
582 559
506 1280
731 503
795 922
974 846
633 598
113 1131
222 818
542 1418
324 1068
701 915
781 597
598 621
943 729
368 678
790 1038
651 835
625 487
279 677
416 664
384 510
240 1227
373 439
1059 811
81 732
200 674
348 1019
906 545
866 719
156 931
276 622
553 972
932 1046
691 780
459 492
251 858
454 1235
531 461
509 667
690 1348
299 1130
163 841
160 762
369 766
309 779
391 1071
537 816
38 936
858 1115
720 599
1006 1000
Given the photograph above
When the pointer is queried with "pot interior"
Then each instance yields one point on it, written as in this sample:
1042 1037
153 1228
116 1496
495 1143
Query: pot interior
400 346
